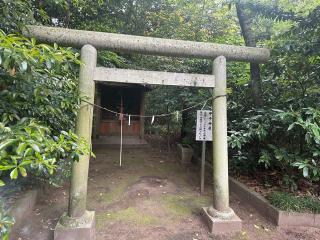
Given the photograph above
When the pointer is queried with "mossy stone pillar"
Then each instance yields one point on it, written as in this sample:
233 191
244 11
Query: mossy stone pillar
77 223
219 137
79 178
220 217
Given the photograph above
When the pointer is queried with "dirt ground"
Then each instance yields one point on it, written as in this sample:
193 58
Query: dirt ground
151 197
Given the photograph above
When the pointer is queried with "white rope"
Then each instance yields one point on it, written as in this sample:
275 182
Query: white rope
205 103
146 116
156 115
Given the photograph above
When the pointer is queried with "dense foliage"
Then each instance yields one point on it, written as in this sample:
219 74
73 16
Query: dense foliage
280 135
284 134
38 106
39 101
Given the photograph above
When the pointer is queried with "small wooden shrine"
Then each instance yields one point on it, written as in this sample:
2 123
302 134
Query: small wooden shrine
120 98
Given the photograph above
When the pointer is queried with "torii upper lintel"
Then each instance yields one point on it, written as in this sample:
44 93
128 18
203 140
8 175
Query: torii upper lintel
146 45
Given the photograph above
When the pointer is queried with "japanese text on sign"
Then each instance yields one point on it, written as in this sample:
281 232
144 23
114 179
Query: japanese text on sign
204 125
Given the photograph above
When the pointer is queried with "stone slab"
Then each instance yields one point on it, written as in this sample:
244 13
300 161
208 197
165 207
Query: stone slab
296 219
220 226
23 206
83 231
254 199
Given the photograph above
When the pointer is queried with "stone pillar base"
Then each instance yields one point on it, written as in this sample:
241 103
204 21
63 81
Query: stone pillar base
82 228
221 226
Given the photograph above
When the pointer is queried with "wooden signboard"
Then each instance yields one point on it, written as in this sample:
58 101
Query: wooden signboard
203 133
204 125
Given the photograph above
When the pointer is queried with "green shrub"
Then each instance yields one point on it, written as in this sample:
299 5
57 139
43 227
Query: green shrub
39 100
287 141
6 222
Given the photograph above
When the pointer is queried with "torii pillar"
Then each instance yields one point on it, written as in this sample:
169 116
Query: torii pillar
78 223
220 217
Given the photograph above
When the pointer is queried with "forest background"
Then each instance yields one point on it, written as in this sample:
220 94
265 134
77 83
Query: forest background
273 109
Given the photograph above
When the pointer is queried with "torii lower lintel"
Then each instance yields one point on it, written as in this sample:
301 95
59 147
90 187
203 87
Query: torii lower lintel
153 77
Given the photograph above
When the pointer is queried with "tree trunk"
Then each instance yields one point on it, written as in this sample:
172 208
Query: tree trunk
250 41
183 123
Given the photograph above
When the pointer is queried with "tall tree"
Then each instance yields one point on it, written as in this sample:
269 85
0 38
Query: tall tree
250 41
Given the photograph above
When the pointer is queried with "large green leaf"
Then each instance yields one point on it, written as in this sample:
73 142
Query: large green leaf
7 143
14 174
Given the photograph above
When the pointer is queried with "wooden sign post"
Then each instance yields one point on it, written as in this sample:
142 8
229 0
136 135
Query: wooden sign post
203 133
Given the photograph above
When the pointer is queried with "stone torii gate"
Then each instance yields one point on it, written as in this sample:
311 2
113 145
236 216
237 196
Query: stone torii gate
78 223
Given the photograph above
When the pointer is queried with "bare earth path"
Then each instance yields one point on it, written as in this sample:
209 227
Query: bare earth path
150 197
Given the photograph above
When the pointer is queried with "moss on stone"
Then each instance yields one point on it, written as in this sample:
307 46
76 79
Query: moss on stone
184 205
176 205
202 201
118 188
129 215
